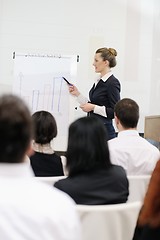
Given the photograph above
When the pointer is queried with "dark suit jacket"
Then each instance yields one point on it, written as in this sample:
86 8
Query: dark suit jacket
101 186
106 94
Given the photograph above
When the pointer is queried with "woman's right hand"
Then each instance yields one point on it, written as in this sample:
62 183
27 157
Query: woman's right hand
74 90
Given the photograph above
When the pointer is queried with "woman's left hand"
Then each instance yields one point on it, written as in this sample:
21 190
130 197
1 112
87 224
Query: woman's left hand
87 107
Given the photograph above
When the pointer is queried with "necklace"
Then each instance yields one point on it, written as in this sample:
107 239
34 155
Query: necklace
43 148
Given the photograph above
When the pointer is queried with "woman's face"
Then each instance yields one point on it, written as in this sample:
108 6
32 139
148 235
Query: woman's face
99 64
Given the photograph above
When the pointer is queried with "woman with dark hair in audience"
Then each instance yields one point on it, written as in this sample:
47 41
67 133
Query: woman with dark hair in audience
92 179
45 162
148 225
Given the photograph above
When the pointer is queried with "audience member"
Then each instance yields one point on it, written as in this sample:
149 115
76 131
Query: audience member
45 162
129 150
148 225
29 209
92 179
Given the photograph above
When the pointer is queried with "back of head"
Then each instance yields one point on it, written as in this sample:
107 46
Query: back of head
127 111
87 146
45 127
108 54
15 129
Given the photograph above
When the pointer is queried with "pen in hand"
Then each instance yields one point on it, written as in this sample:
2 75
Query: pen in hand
70 84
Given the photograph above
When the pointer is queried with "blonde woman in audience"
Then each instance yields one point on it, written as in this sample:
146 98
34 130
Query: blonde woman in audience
92 179
45 162
148 225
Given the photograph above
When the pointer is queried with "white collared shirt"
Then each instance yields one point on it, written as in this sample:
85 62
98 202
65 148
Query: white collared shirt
101 110
30 209
104 78
134 153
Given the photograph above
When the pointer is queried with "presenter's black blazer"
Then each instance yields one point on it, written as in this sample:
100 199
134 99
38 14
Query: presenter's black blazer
106 94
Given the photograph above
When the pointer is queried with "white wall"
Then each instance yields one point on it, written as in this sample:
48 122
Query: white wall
80 27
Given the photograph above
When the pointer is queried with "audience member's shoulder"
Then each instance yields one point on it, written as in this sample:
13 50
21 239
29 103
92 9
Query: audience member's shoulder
61 182
147 142
119 169
151 146
53 193
112 142
65 198
57 206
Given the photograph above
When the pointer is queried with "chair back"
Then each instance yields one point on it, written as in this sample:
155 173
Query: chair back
137 187
108 222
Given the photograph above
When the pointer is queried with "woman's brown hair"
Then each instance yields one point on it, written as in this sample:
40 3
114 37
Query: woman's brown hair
150 212
108 54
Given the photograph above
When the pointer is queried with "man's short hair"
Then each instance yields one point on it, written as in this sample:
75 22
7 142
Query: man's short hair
15 128
127 111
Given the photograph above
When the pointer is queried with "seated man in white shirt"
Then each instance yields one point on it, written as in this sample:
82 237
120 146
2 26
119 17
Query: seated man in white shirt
129 150
29 209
